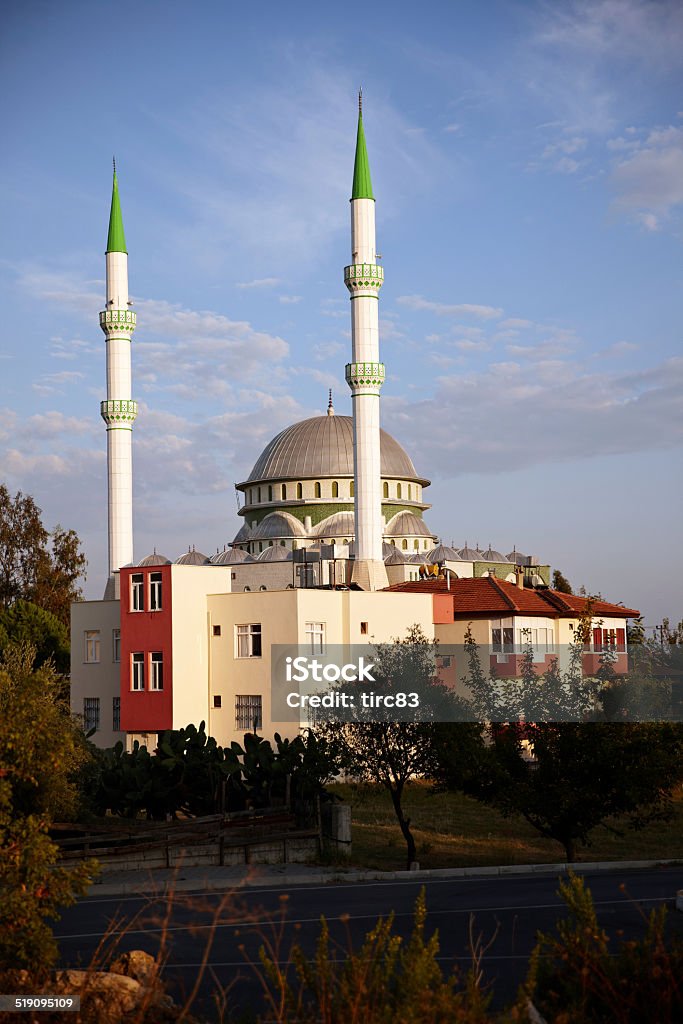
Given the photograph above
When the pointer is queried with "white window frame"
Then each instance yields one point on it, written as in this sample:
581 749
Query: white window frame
156 671
137 592
248 706
91 641
137 671
116 646
315 637
246 635
155 591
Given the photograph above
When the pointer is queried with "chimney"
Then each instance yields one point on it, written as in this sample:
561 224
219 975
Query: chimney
519 573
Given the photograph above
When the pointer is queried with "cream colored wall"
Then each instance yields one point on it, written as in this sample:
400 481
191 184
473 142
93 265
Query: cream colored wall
190 585
283 616
103 678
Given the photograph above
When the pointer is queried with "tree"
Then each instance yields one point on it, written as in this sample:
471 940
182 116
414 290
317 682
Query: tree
25 623
561 583
374 748
41 749
34 565
566 778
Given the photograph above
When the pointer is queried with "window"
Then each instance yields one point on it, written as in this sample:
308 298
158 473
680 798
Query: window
91 713
92 645
385 489
284 492
502 641
258 495
299 491
315 637
217 630
116 714
335 489
156 665
137 671
364 628
318 491
155 592
248 639
116 645
409 493
404 544
248 711
398 490
217 701
137 592
416 544
352 489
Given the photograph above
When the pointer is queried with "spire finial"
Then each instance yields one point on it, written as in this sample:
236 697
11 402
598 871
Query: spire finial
330 407
360 101
113 160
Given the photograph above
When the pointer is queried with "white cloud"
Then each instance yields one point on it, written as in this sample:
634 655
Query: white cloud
418 302
290 300
259 282
649 183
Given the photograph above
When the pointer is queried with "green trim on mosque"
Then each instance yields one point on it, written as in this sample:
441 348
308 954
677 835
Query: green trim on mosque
318 510
116 240
362 185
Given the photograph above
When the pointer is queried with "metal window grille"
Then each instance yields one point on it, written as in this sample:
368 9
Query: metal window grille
116 714
91 713
248 712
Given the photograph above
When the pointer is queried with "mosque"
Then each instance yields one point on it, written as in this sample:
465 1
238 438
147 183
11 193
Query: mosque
333 549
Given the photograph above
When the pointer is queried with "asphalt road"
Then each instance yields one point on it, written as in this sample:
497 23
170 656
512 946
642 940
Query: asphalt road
220 934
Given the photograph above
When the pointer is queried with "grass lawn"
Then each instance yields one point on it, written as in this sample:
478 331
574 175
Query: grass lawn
452 830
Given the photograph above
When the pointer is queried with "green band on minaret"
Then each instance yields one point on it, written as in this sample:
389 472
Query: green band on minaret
116 240
362 185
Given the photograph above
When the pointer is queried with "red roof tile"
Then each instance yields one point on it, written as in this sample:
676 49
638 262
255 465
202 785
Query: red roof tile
488 594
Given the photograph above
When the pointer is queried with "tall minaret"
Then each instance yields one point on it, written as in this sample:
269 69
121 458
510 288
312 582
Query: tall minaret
119 411
365 374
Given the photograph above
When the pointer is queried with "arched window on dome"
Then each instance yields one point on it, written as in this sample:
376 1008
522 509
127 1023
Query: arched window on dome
260 546
282 544
416 545
258 495
270 492
299 491
295 545
404 544
409 492
318 491
335 489
352 489
398 491
284 492
385 490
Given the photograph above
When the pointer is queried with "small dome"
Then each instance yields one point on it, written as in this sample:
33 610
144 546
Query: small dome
419 558
276 526
155 559
517 558
469 554
396 557
386 549
243 535
494 556
407 524
231 556
339 524
274 553
192 558
443 553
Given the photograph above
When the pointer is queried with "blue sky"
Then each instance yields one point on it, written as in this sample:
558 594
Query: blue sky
527 161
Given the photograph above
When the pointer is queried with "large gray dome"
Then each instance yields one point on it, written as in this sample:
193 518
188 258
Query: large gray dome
323 447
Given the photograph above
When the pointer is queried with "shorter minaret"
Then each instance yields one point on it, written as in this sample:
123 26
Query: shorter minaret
365 374
119 410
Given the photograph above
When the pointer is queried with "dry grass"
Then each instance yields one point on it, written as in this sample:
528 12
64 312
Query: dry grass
452 830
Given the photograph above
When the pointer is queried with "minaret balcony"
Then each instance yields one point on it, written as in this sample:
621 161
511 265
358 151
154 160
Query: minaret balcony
118 321
119 412
364 278
365 378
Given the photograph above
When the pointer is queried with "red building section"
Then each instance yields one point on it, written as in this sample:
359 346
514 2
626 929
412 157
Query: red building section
146 630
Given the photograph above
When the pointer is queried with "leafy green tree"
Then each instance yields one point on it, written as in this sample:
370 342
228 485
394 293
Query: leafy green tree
41 750
35 565
561 583
24 622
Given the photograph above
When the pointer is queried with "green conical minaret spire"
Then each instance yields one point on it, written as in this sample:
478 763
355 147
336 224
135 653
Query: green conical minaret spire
116 240
362 185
